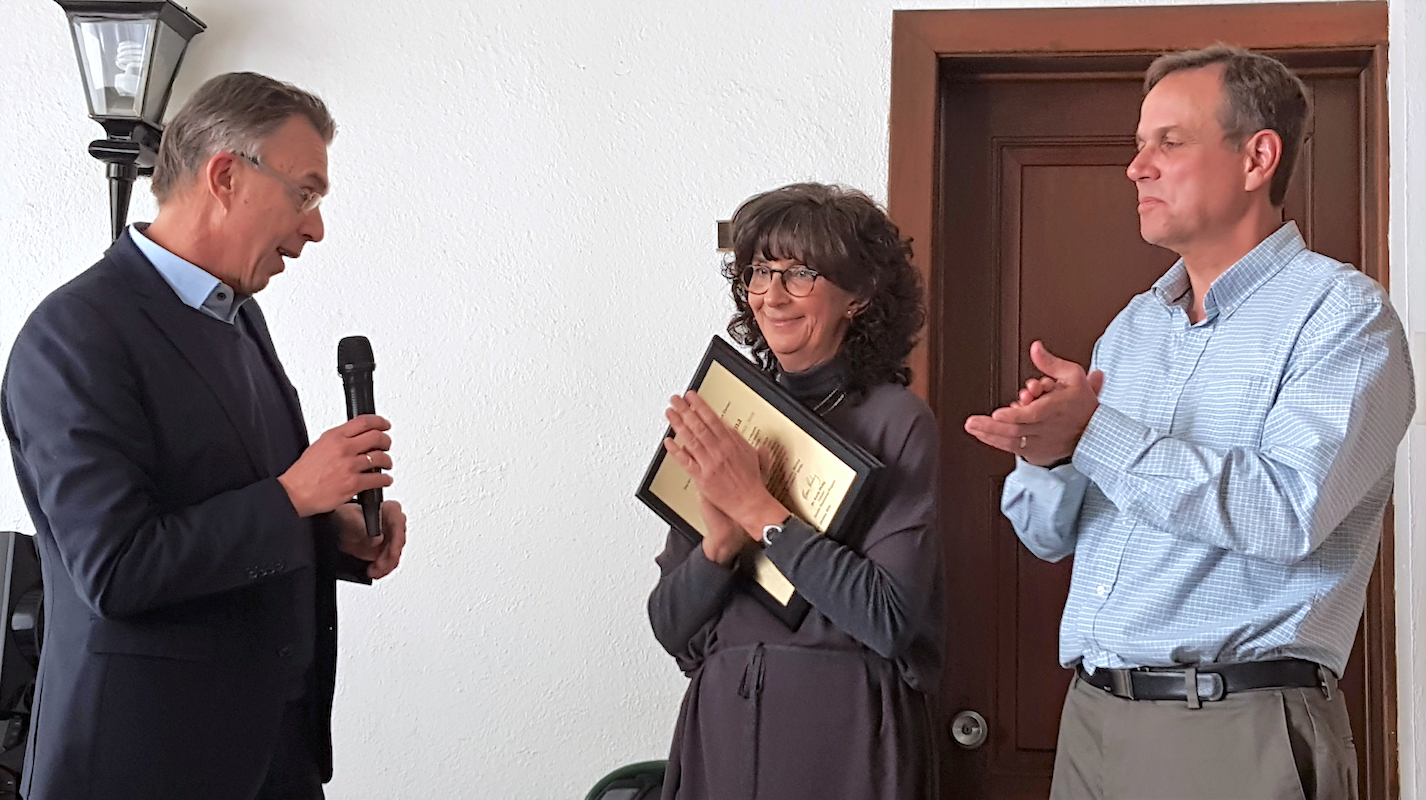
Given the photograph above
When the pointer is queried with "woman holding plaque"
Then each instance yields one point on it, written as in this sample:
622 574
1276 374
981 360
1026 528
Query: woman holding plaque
828 303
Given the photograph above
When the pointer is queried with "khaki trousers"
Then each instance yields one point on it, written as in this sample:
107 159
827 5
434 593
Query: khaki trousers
1263 745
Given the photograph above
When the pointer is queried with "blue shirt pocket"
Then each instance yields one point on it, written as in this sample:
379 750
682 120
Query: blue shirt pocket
1225 410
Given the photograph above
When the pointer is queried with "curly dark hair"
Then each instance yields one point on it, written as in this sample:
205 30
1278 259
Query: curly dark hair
849 240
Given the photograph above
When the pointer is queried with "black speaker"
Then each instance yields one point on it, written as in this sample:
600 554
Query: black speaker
23 616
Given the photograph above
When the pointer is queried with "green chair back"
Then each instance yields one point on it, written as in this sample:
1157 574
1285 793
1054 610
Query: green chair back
639 781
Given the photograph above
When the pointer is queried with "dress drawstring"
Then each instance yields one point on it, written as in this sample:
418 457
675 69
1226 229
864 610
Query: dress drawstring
751 689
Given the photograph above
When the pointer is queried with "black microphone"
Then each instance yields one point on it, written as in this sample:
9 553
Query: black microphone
356 363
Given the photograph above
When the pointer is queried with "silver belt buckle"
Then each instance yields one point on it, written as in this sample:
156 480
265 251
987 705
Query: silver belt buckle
1200 686
1211 686
1122 683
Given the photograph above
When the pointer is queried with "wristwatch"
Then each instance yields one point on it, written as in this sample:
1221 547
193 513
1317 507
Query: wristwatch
771 532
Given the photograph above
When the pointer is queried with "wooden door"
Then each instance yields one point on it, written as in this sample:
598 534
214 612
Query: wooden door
1039 239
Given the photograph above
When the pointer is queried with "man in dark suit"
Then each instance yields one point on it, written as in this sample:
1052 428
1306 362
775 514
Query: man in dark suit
190 536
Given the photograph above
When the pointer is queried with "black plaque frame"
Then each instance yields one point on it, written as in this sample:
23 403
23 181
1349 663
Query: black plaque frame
863 463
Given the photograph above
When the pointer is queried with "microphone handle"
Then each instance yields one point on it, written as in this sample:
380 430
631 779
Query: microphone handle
371 509
361 400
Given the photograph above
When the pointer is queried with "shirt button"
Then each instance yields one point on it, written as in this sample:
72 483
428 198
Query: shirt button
284 651
222 296
1101 590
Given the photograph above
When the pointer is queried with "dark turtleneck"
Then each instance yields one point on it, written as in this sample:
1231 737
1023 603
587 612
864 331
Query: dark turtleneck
813 386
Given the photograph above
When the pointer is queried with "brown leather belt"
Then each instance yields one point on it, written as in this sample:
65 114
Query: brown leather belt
1211 681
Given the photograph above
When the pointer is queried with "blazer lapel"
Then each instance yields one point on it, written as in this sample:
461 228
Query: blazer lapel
255 318
190 333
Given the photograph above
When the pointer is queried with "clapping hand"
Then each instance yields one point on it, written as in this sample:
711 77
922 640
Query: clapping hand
1044 422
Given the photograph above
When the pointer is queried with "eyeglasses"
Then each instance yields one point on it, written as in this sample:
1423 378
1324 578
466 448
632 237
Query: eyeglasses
797 279
307 199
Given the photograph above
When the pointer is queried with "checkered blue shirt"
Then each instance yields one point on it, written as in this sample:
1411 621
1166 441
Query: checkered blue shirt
1225 502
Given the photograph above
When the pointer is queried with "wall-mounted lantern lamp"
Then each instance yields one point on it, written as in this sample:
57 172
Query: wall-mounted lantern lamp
129 52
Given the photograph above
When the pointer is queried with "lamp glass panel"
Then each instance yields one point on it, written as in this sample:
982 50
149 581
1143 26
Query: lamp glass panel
167 54
112 56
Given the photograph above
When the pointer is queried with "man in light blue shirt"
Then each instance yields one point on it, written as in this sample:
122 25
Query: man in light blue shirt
1220 476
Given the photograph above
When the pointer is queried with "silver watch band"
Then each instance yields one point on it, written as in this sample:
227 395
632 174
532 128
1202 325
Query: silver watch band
771 532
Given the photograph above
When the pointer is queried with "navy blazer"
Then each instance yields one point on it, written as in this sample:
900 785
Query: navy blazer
170 552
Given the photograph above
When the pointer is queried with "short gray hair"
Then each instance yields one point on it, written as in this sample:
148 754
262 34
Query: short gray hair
1259 94
234 112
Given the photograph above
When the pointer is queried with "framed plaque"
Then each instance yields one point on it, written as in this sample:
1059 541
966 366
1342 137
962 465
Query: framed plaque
817 473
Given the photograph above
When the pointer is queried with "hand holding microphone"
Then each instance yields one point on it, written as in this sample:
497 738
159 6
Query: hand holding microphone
334 469
345 462
385 523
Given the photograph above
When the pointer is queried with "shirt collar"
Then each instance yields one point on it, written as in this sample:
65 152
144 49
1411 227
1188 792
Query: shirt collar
1173 285
1240 280
197 288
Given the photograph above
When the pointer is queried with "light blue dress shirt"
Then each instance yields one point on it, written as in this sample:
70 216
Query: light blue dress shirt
197 288
1225 502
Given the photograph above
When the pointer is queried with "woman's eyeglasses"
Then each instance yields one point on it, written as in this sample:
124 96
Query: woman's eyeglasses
797 280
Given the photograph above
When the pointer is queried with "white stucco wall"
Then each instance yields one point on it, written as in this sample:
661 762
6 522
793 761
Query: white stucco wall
522 223
1408 290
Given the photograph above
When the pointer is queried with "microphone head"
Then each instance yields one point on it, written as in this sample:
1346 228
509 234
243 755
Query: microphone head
354 355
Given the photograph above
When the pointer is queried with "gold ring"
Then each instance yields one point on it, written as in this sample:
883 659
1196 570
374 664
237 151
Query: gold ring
1022 442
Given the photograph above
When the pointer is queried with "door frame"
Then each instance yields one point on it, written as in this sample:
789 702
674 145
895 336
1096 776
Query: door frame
921 40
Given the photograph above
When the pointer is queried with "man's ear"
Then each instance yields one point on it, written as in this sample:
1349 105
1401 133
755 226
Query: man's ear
219 178
1262 155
